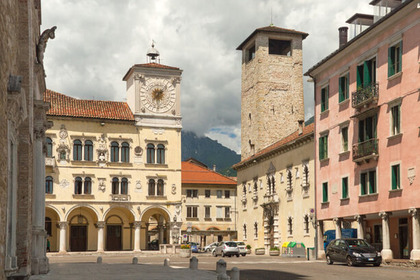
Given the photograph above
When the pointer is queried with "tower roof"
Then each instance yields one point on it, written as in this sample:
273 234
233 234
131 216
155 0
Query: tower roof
272 29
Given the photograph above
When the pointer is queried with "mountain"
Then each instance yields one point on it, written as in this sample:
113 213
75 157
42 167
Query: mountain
209 152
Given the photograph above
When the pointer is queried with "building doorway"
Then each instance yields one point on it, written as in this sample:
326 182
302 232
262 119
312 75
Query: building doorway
403 238
114 237
78 238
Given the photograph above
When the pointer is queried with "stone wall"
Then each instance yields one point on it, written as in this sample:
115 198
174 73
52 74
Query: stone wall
272 94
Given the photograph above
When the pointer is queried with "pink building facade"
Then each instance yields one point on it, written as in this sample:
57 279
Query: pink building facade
367 131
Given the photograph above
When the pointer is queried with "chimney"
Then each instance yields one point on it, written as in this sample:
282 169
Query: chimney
342 34
214 167
300 126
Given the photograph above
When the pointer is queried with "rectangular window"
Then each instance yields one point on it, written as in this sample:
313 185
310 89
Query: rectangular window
207 193
395 177
279 47
227 193
368 182
207 211
395 59
189 193
219 210
324 98
343 88
395 120
366 73
219 193
345 187
192 211
367 128
323 147
192 193
250 55
345 138
227 212
325 192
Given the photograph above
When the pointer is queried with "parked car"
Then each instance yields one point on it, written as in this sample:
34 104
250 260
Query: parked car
226 248
194 247
242 248
352 251
210 247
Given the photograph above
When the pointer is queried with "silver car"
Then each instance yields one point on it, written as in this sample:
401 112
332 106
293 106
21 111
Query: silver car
242 248
226 248
211 246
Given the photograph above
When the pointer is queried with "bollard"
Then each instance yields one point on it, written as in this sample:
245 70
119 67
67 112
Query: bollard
194 263
166 263
135 260
234 273
221 267
99 260
223 276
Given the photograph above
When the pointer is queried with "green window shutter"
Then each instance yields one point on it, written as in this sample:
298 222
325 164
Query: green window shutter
359 76
324 192
400 57
347 86
328 97
344 187
398 118
367 66
391 72
363 183
321 148
393 177
326 146
323 100
361 131
340 89
372 179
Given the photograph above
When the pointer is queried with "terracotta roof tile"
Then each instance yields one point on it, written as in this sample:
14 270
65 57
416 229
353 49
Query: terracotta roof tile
307 130
66 106
192 173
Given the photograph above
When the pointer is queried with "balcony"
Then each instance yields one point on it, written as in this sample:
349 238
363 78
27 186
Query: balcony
364 151
271 198
364 96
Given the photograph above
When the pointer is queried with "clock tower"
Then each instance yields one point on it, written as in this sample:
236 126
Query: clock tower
153 93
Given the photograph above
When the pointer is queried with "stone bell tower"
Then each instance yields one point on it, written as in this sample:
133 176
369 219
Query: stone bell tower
272 87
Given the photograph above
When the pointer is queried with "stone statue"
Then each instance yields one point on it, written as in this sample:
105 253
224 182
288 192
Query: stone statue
42 44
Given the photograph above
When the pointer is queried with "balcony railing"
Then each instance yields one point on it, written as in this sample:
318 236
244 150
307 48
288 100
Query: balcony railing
365 95
50 161
365 150
120 197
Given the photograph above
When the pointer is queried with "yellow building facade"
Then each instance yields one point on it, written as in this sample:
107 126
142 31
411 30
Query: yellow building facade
113 169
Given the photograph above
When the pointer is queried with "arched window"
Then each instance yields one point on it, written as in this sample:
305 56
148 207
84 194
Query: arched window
160 187
289 179
125 152
78 185
290 224
77 150
150 153
88 185
88 150
255 187
49 146
244 231
306 174
124 186
115 185
63 155
48 184
244 189
114 152
160 154
151 187
273 184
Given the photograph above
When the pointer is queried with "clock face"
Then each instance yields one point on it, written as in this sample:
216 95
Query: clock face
157 95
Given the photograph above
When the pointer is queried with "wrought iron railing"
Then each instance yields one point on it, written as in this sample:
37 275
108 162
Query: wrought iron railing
365 149
365 95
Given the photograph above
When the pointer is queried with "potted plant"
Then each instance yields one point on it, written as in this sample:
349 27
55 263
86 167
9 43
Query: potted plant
274 251
185 251
248 249
260 251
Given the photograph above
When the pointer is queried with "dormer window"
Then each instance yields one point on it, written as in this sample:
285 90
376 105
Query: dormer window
280 47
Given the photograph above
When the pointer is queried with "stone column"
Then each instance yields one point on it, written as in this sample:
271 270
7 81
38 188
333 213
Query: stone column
101 226
266 232
137 227
160 229
360 229
415 253
337 223
39 262
63 229
276 229
386 239
320 241
147 236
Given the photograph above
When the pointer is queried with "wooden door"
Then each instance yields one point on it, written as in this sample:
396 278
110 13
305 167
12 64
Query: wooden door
114 238
78 238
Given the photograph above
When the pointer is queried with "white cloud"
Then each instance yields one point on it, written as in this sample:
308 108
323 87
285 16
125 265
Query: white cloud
98 41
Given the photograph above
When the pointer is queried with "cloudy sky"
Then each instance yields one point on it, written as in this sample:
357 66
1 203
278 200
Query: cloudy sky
97 41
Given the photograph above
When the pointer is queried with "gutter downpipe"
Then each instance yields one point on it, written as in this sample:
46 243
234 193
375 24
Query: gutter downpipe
315 173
